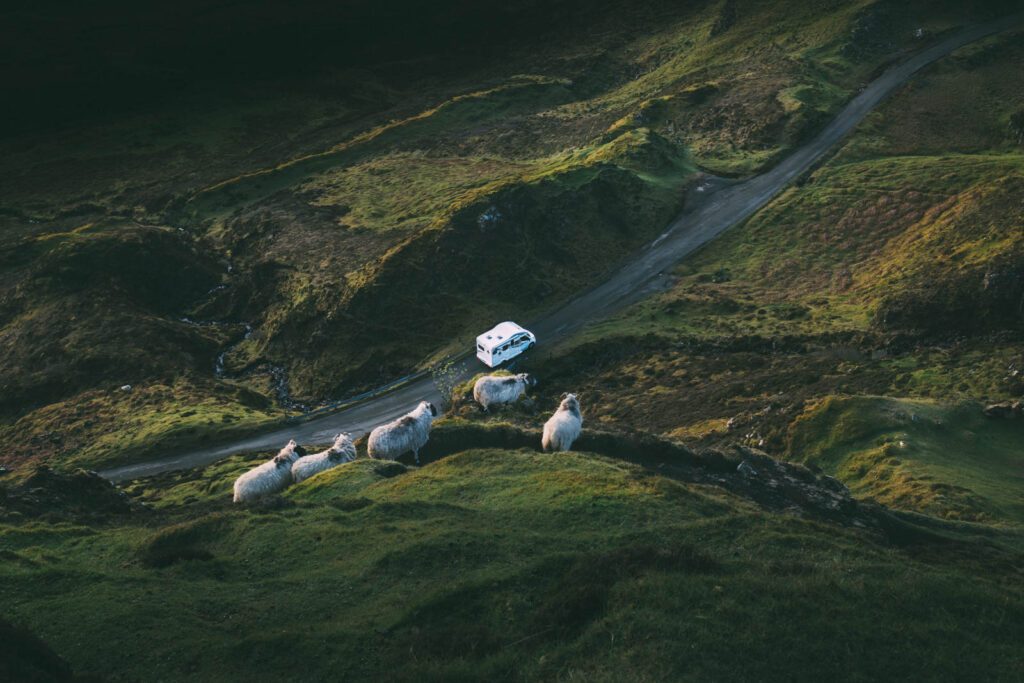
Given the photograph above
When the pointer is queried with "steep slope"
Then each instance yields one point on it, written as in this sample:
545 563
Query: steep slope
954 463
509 564
334 204
879 274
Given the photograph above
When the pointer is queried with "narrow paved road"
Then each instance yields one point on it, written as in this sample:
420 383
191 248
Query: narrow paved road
723 206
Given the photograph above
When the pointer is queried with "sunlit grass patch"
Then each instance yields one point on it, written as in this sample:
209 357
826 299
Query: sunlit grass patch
950 461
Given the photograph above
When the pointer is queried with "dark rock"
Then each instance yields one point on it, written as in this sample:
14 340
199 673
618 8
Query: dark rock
786 486
746 469
1004 409
835 485
390 469
77 495
1013 382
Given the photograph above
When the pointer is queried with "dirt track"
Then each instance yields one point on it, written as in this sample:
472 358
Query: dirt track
718 208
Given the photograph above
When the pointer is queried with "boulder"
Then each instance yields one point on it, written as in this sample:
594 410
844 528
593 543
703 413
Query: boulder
77 495
746 469
1003 409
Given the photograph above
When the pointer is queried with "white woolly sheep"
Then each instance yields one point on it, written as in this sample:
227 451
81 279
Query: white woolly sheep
564 426
493 390
273 476
342 451
408 433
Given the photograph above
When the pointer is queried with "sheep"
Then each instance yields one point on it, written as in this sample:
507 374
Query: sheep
272 476
492 390
564 426
408 433
342 451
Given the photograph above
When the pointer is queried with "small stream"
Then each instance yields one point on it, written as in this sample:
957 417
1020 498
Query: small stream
278 374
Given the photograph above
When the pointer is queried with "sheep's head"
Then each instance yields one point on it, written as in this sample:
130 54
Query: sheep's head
570 402
291 450
340 449
341 444
431 407
526 379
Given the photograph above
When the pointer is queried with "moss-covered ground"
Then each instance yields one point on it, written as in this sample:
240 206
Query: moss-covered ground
858 324
505 565
950 462
356 204
893 270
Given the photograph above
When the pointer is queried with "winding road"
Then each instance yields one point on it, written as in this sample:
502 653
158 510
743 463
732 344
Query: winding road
721 206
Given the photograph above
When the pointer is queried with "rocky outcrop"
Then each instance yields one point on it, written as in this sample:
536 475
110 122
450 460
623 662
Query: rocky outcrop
747 472
1004 409
81 496
789 487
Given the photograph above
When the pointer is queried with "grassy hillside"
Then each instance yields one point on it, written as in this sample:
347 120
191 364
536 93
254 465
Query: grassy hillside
879 274
205 264
507 565
861 321
359 201
917 455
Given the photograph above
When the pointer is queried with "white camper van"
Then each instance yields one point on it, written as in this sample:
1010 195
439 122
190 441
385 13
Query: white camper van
505 341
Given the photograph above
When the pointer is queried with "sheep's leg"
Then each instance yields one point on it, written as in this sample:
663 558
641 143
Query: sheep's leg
416 454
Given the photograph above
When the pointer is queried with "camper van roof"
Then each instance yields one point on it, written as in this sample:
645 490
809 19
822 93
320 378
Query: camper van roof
498 334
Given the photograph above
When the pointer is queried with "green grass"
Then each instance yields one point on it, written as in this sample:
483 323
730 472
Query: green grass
823 256
320 196
521 94
950 462
405 191
341 213
558 226
503 565
866 277
103 428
